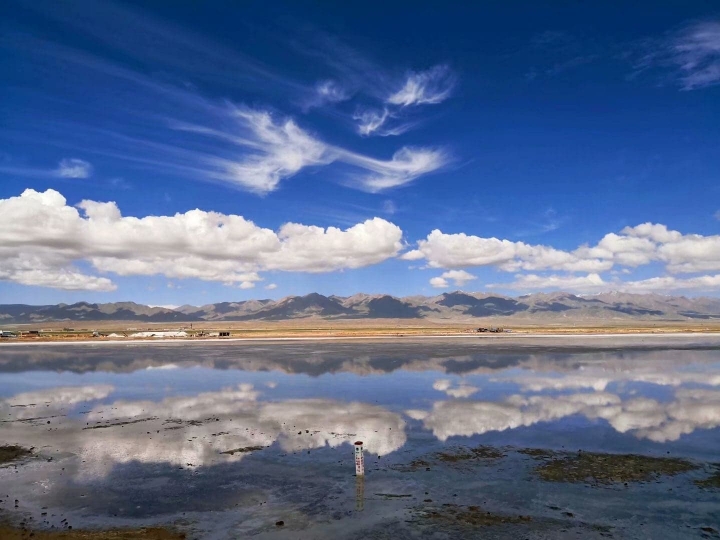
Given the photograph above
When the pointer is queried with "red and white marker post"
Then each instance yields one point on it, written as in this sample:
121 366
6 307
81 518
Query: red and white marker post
359 459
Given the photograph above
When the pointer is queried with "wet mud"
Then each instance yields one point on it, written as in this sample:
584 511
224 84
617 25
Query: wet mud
8 532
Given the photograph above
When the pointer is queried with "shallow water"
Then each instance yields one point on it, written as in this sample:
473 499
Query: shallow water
225 440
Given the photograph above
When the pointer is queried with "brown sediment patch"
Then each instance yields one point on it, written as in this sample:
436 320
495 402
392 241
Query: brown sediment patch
712 481
610 468
244 450
8 532
469 515
537 453
13 452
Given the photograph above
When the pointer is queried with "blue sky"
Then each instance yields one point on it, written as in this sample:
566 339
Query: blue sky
512 147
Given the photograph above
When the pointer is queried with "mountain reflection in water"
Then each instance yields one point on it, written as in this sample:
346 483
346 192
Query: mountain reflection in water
280 417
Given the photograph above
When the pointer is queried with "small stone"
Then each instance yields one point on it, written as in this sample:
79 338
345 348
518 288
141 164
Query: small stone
279 523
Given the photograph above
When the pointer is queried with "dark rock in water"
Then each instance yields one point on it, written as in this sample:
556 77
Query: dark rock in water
279 523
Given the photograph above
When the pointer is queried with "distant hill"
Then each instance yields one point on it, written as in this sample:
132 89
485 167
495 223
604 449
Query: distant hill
458 305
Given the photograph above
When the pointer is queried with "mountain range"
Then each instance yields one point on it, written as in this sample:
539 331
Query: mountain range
454 306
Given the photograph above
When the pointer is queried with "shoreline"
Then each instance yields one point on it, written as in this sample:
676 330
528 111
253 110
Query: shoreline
492 338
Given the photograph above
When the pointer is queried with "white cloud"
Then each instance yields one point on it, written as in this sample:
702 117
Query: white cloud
41 237
276 149
375 122
461 250
633 247
405 166
439 283
279 150
599 378
466 418
389 207
459 277
644 418
194 430
695 52
271 286
594 283
462 390
425 87
530 282
369 121
331 92
74 168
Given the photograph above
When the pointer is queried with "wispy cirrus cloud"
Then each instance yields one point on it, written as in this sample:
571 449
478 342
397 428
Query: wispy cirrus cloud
66 168
375 122
406 165
689 57
424 87
369 121
74 168
277 148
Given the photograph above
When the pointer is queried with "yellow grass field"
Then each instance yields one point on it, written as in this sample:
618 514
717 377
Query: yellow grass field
322 328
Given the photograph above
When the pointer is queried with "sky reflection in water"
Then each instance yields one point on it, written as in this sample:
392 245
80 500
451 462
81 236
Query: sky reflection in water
109 411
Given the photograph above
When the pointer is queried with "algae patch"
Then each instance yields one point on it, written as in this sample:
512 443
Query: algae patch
11 453
454 456
610 468
712 481
470 515
467 454
537 453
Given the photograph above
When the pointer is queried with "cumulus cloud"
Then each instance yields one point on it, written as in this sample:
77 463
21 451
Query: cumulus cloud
271 286
425 87
528 282
594 283
460 277
691 54
439 283
41 237
633 247
74 168
461 250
